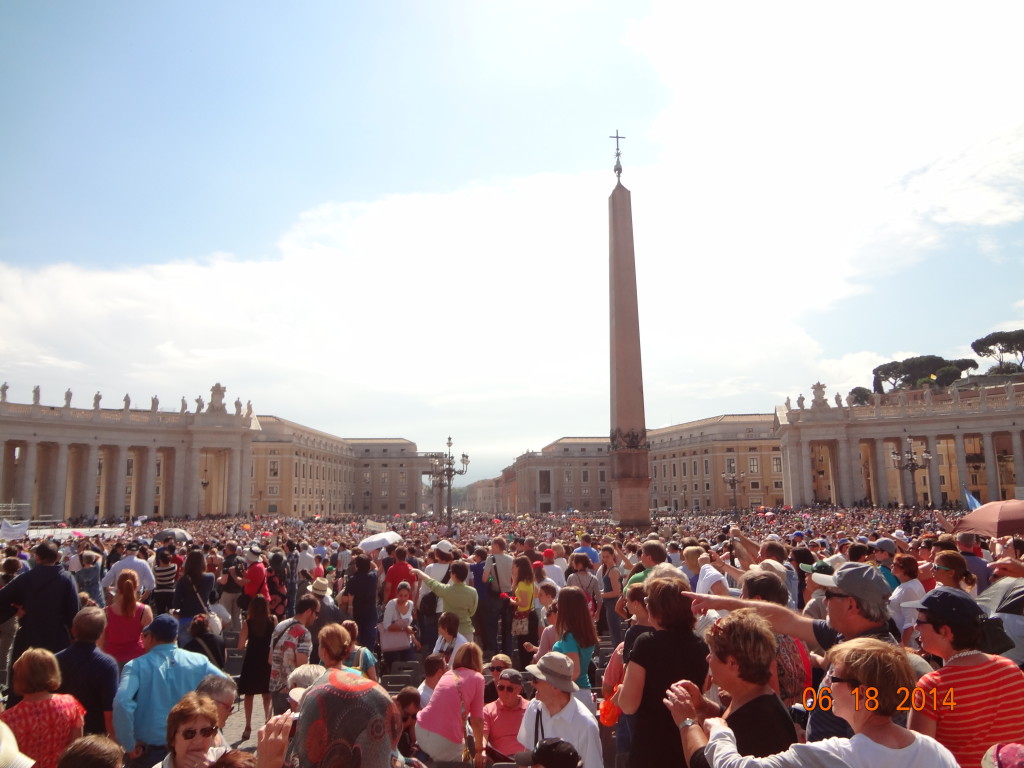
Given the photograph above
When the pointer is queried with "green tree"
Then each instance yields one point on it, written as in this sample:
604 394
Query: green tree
860 395
1000 344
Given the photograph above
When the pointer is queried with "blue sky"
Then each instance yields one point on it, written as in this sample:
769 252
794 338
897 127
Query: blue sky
390 219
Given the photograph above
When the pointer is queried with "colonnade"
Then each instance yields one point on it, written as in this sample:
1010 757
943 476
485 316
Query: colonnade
842 455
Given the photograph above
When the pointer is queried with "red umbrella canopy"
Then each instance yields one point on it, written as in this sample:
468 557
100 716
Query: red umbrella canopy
997 518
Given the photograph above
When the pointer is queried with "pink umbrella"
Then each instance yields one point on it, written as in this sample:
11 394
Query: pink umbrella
997 518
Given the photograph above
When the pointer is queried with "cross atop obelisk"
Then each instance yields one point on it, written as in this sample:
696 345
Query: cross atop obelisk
618 154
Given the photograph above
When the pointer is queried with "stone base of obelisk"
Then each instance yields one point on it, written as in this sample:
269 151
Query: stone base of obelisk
631 502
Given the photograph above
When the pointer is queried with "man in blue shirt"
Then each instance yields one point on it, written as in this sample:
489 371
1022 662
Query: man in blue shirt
150 686
585 548
87 673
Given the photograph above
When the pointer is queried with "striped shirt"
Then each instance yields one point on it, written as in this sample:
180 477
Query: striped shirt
989 707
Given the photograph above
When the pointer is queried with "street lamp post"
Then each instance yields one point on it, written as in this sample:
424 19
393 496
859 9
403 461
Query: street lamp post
911 462
732 479
443 471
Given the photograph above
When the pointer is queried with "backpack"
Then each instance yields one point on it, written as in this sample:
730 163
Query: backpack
428 604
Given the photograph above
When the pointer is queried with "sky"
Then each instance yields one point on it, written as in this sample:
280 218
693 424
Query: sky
390 219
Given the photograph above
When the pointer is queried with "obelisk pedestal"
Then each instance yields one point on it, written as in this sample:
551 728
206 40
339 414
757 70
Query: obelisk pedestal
630 479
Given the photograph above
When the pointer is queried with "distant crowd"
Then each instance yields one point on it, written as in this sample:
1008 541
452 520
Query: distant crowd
819 636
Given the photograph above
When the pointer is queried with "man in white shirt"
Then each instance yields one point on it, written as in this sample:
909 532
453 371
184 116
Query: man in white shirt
131 561
556 713
433 668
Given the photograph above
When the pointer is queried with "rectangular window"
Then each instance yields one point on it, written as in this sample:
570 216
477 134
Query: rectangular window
942 479
544 479
777 484
604 491
654 471
707 466
682 466
755 485
273 490
131 467
568 477
675 469
730 465
777 465
707 486
159 468
585 490
157 492
585 475
601 476
694 467
366 478
753 465
384 478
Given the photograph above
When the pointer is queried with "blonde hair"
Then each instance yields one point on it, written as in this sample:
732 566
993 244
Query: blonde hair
333 642
875 664
748 638
469 656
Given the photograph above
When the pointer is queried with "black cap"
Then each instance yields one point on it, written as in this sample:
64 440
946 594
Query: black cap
949 605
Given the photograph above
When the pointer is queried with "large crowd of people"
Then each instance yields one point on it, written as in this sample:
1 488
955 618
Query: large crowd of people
819 636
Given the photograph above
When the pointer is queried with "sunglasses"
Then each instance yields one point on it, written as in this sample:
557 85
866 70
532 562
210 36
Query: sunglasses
498 669
834 595
505 687
848 680
190 733
941 567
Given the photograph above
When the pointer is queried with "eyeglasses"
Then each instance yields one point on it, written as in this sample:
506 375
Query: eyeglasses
499 670
190 733
505 687
848 680
834 595
941 567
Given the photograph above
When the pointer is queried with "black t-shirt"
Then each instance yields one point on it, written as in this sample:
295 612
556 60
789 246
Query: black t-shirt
630 639
762 726
230 561
666 656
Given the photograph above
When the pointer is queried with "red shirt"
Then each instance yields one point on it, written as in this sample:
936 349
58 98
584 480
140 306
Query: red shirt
397 573
501 726
43 728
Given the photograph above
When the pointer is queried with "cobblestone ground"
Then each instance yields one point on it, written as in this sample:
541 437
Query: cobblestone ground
236 724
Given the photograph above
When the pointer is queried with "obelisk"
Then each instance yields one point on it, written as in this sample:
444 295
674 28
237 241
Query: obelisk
630 479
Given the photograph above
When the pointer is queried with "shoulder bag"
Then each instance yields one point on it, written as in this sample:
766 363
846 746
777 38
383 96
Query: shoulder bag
468 751
212 619
492 584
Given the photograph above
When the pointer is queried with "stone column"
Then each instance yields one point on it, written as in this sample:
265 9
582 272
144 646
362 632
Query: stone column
805 478
191 501
234 481
3 468
844 495
1018 457
120 480
145 486
246 476
934 486
863 489
991 467
27 477
87 481
881 473
58 499
961 465
178 459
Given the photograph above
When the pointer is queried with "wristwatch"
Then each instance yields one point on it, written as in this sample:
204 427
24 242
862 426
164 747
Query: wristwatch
687 723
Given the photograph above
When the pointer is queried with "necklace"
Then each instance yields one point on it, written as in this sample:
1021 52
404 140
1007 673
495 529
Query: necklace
962 654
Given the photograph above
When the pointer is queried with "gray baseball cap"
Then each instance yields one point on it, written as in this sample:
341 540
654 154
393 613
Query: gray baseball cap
861 580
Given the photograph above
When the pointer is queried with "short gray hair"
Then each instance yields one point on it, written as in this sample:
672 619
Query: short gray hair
217 685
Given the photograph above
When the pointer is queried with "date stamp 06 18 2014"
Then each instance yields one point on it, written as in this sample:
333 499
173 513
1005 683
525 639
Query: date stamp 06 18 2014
910 699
